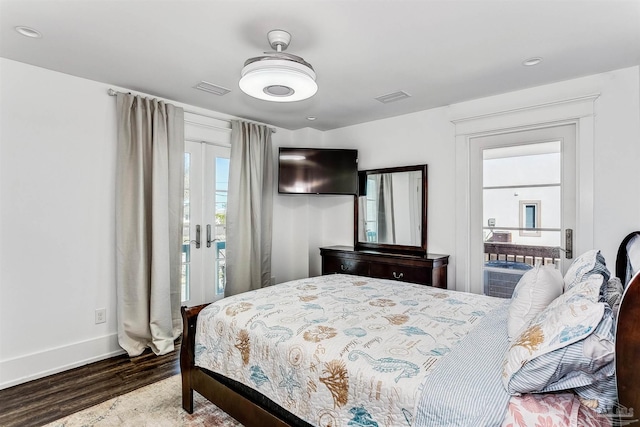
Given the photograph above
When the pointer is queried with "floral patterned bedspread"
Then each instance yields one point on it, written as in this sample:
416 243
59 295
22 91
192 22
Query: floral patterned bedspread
552 410
337 350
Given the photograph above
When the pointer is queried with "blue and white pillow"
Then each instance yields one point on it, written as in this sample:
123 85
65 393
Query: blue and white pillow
586 366
542 358
587 264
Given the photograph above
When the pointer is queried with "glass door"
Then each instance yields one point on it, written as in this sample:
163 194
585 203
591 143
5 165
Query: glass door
204 233
524 206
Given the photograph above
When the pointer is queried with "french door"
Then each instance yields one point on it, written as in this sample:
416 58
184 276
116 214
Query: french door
206 179
523 204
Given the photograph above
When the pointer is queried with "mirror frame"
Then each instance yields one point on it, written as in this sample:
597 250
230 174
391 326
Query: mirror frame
385 247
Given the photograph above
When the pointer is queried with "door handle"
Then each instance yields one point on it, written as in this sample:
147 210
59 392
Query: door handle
209 241
568 242
197 241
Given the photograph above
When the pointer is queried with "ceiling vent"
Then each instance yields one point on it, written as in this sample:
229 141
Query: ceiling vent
211 88
392 97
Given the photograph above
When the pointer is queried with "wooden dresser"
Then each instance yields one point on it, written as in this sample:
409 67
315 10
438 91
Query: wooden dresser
430 270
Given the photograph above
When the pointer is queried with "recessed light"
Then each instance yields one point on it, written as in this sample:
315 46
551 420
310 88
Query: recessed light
311 118
28 32
532 61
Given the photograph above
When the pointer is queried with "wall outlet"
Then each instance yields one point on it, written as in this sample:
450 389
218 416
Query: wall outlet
101 315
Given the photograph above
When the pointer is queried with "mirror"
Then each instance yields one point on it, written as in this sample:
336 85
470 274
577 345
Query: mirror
391 210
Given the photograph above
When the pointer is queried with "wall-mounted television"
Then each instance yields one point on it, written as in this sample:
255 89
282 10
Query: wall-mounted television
317 171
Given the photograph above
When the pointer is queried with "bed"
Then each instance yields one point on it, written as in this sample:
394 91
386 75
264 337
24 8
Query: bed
348 350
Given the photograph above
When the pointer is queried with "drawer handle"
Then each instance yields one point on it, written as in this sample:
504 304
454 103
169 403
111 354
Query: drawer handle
398 276
343 268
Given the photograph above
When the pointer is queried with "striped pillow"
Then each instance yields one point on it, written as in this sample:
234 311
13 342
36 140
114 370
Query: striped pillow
612 294
544 356
587 366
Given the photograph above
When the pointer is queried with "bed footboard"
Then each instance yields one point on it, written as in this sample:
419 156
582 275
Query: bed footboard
187 353
225 396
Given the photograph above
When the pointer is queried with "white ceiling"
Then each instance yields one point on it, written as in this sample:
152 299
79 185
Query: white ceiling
439 51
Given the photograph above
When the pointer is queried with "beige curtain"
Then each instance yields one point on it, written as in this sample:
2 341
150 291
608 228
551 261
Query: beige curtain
386 221
249 208
149 206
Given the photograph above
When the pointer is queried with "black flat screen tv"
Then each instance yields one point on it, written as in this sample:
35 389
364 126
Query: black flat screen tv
317 171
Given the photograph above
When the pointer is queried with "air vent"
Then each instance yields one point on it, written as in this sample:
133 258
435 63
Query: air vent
211 88
392 97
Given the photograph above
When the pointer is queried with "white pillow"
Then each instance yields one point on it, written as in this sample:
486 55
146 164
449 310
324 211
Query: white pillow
533 293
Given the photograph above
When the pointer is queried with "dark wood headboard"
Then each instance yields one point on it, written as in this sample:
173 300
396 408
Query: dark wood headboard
621 258
628 338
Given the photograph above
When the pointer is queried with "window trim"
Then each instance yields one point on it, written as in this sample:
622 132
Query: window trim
524 232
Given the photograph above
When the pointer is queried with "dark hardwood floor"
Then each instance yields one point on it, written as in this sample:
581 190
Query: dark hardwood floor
47 399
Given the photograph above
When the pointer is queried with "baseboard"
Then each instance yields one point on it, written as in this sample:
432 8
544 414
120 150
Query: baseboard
51 361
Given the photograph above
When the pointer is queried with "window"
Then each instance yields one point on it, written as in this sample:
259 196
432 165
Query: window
530 218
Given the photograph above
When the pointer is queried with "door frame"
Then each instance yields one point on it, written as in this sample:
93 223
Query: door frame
578 111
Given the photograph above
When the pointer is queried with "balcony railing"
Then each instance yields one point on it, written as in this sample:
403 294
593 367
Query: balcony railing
531 255
220 268
505 263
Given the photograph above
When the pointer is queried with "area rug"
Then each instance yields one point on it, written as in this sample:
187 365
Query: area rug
158 404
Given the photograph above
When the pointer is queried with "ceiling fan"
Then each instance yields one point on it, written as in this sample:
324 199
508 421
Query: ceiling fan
278 76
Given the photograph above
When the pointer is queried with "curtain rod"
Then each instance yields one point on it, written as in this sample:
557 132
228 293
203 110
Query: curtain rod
113 92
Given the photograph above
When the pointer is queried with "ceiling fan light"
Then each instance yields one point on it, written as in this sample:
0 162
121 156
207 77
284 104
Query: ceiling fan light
278 80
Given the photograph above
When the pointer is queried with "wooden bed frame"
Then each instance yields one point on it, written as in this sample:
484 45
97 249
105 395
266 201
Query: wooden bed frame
230 399
251 411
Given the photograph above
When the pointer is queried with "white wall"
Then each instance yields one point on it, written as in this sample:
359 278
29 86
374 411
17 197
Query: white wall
616 148
423 137
57 245
428 137
57 186
293 238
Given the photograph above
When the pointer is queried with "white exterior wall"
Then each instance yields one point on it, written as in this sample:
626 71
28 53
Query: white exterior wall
504 204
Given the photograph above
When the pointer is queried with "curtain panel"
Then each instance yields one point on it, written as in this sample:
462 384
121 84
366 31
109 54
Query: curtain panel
149 215
249 208
386 221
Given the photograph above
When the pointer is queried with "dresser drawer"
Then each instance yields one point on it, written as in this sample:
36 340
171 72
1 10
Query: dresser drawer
336 264
402 273
429 270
